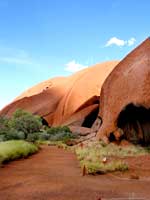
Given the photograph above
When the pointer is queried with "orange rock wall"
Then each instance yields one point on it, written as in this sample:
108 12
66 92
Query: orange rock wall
64 100
129 82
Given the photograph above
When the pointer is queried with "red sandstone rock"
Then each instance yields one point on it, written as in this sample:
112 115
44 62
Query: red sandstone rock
64 100
127 90
83 88
81 131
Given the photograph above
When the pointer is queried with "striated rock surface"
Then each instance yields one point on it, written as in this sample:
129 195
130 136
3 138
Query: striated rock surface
72 100
125 98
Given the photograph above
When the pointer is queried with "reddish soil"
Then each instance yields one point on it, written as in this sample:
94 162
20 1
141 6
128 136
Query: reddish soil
54 174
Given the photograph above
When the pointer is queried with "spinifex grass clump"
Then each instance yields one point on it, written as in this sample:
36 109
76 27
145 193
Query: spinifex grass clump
98 157
14 149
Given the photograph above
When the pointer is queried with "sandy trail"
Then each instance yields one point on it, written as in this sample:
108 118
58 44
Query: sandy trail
54 174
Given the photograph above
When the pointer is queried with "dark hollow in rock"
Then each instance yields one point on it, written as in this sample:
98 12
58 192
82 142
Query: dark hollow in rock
90 119
135 123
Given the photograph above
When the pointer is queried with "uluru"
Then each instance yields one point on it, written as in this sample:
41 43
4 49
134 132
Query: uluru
111 98
125 98
72 100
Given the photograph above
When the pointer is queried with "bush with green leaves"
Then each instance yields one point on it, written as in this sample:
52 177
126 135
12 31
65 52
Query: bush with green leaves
24 125
62 136
43 136
25 122
60 133
32 137
58 129
4 127
13 134
3 138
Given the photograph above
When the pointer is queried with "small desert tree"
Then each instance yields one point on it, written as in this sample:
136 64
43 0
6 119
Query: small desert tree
4 128
3 125
25 122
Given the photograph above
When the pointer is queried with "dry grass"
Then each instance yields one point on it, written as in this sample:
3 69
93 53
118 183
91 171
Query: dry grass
98 157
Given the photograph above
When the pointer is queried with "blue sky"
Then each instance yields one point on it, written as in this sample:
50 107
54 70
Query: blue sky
40 39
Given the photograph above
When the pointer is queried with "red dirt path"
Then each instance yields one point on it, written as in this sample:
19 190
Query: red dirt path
54 174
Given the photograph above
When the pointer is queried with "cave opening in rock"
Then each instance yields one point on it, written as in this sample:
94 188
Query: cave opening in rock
90 119
135 123
44 122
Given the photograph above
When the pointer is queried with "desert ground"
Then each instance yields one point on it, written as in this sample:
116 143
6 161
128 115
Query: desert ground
54 173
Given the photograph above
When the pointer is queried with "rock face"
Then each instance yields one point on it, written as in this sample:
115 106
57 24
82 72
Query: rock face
125 98
72 100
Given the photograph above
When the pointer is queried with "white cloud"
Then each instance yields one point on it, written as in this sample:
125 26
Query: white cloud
73 66
131 41
115 41
119 42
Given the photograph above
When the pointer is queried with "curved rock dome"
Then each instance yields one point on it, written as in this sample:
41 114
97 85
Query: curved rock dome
125 98
65 100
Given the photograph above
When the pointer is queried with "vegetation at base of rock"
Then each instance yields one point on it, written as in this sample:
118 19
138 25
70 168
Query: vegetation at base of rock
59 144
60 134
98 157
56 130
24 125
101 168
25 122
14 149
19 126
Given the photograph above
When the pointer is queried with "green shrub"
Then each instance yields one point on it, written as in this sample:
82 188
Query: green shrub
13 134
43 136
32 137
66 129
15 149
4 127
25 122
58 129
3 138
24 125
60 134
